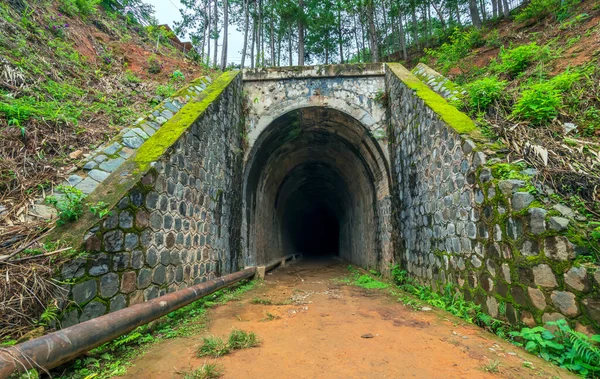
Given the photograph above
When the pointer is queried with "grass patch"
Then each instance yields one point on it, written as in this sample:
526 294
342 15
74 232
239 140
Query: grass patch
206 371
270 317
214 346
258 300
363 280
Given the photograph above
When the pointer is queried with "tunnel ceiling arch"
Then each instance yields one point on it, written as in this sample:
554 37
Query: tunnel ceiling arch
312 184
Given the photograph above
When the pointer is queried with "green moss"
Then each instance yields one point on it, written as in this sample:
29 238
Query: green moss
457 120
170 132
128 175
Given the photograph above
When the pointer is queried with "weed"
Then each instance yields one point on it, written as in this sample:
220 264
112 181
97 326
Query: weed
539 104
484 92
566 348
212 346
493 39
154 65
69 204
514 61
100 209
452 53
177 76
537 10
166 90
239 339
79 7
492 366
130 77
258 300
270 317
49 316
206 371
216 347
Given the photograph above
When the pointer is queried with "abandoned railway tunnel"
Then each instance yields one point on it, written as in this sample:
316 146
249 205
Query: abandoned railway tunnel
361 161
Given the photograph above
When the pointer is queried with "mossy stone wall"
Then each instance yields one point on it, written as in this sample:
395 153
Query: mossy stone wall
458 223
175 211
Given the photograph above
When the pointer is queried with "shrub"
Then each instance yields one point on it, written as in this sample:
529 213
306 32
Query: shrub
565 347
493 39
78 7
154 65
563 82
515 61
69 205
451 53
484 92
537 10
539 104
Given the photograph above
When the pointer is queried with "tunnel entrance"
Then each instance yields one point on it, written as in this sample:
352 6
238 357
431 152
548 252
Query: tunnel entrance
311 186
312 228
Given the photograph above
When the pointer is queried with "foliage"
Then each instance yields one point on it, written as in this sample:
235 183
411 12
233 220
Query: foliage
493 39
206 371
451 54
565 81
565 347
177 76
514 61
484 92
539 104
537 10
364 280
69 204
100 209
238 339
258 300
130 77
213 346
154 65
79 7
49 316
166 90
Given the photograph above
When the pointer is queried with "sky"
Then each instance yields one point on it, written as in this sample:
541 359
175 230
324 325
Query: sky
167 12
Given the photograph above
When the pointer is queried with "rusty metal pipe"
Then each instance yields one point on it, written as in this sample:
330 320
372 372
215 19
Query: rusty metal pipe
54 349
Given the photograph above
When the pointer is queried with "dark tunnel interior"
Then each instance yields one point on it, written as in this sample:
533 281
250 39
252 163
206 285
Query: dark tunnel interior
310 188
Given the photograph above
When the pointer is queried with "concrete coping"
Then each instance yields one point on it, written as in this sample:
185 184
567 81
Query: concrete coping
322 71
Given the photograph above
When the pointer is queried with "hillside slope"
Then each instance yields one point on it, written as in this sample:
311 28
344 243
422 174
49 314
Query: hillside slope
70 79
533 85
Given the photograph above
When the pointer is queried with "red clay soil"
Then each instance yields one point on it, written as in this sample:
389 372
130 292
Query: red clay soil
319 335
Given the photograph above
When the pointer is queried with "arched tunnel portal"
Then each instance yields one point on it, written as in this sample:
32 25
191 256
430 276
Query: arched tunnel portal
312 184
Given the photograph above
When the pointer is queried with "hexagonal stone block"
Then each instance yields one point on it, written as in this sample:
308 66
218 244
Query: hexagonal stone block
521 200
128 281
84 292
92 310
109 285
113 241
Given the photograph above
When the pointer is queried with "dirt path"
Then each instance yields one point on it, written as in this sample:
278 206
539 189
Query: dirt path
319 334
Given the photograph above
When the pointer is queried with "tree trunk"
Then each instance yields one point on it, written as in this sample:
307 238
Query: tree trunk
301 34
253 42
415 24
458 14
440 16
474 13
279 38
482 8
216 32
290 46
272 40
356 37
372 32
402 37
494 9
506 9
246 25
225 24
209 26
340 36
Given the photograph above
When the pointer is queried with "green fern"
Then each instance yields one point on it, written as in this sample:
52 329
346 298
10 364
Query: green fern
585 347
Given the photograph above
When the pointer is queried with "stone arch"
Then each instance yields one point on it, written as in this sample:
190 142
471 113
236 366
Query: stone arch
310 165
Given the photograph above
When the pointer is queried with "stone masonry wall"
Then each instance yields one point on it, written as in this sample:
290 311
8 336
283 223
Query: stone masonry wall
179 225
457 223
